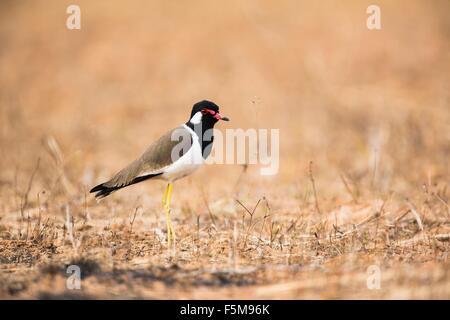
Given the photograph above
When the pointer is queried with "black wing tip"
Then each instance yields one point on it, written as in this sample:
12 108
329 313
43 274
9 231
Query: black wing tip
102 191
102 194
97 188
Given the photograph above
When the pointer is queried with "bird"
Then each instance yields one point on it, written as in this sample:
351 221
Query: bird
175 155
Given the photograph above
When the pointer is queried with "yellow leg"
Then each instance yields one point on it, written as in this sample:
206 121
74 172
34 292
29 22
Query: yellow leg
168 200
164 198
166 204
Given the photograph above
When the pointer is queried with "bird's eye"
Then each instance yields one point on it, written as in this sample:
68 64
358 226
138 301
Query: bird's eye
206 111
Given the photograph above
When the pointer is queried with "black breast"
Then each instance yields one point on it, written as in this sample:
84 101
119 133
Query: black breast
205 135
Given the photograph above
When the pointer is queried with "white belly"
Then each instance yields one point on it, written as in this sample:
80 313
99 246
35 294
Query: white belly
186 164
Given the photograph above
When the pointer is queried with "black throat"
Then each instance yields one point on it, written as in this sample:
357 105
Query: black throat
205 134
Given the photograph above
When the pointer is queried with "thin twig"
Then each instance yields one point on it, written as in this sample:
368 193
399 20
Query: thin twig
347 187
314 187
444 202
24 201
266 215
211 215
415 214
134 217
401 216
251 218
423 237
238 181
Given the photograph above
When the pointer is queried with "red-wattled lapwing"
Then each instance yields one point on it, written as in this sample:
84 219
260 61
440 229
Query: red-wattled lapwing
175 155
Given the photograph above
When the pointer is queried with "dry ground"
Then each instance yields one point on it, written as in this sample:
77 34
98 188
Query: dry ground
369 109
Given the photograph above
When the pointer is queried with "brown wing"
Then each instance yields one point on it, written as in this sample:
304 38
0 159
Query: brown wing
158 155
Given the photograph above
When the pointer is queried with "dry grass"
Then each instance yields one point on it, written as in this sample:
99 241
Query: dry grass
364 120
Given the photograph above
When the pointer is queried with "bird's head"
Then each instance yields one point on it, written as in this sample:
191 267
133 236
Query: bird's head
206 111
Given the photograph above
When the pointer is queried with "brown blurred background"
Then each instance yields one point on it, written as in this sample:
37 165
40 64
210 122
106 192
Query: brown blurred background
373 105
370 109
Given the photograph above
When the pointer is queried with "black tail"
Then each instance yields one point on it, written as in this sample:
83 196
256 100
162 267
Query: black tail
102 190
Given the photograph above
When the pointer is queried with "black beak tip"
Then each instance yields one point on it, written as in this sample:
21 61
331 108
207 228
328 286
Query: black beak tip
225 119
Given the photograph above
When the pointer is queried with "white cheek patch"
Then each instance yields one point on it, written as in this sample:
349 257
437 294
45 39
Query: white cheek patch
196 118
